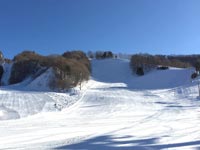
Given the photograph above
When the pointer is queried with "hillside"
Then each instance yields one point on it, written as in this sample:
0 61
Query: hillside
32 83
113 112
118 71
67 70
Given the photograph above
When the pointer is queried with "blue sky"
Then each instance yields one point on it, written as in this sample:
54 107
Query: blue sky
127 26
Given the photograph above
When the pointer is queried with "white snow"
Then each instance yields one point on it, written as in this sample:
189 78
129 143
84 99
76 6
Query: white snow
115 111
6 113
41 83
34 96
119 71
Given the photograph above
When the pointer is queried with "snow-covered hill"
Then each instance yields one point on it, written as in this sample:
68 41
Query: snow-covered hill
118 71
117 111
33 96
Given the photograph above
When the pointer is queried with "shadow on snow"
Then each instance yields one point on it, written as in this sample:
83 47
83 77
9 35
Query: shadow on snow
120 143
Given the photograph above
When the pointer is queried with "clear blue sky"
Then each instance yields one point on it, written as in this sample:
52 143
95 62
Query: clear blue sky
128 26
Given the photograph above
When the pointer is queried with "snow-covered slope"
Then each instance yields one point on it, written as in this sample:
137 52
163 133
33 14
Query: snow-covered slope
33 96
41 83
118 71
112 115
111 70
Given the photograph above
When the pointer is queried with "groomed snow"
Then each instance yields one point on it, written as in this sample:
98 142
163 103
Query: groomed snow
115 111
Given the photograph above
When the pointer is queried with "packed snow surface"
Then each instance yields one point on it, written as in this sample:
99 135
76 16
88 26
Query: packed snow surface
115 111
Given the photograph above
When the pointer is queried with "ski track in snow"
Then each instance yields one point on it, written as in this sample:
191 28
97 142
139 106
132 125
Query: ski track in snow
108 116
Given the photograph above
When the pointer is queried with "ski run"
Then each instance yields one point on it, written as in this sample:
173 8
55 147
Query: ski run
115 110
